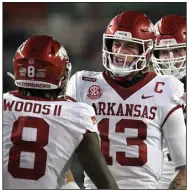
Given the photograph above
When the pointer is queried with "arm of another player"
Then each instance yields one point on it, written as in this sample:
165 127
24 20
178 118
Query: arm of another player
179 179
89 151
93 162
174 131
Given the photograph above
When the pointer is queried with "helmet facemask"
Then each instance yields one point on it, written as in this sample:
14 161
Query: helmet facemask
121 64
171 64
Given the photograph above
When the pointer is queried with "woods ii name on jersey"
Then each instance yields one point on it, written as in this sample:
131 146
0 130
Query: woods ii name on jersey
37 108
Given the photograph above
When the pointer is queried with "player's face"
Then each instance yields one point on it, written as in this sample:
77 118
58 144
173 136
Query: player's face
172 54
125 48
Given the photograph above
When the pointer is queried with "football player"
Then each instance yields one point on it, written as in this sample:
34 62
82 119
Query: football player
169 58
135 108
40 132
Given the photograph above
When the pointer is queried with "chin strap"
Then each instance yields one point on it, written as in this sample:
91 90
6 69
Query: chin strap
130 76
11 75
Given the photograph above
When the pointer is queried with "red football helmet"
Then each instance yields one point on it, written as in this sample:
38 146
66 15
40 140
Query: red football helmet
41 63
130 26
170 39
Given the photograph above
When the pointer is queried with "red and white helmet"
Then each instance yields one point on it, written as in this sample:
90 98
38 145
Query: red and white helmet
170 36
131 26
41 63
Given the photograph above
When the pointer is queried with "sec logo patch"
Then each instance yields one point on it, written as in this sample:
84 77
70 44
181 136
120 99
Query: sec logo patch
94 92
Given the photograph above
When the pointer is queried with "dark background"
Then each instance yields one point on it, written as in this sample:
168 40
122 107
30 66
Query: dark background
78 26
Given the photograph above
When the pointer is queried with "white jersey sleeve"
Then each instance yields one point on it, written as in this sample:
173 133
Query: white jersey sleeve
175 133
173 126
178 92
88 118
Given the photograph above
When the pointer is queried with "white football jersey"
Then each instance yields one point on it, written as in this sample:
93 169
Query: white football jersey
168 167
130 123
39 138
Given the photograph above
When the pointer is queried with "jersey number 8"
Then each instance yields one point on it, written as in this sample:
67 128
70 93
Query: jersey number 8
24 146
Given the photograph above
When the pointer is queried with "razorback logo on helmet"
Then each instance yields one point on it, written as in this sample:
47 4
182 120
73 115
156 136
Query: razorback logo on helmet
21 47
62 53
151 28
94 92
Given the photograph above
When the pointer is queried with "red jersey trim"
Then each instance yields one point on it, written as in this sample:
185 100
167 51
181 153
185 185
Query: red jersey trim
170 112
127 92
